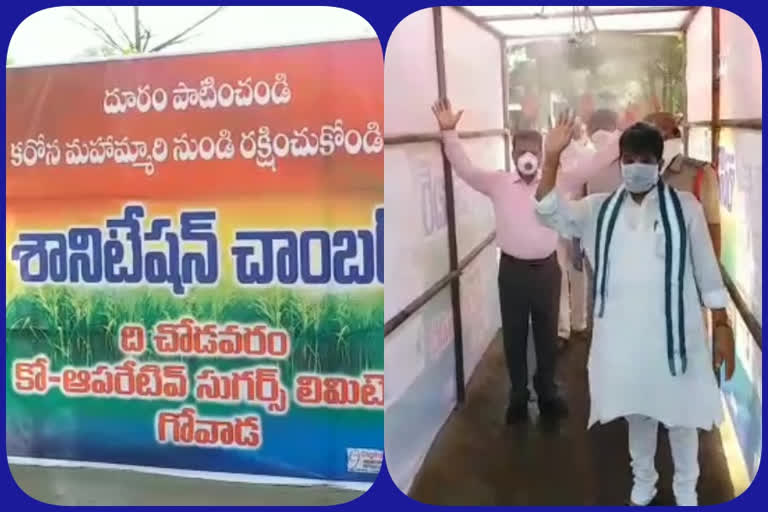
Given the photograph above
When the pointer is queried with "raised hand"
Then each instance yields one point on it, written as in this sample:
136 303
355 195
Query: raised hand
445 116
556 141
559 136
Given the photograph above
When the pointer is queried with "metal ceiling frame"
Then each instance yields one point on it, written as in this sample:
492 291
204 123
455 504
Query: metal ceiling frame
602 12
485 21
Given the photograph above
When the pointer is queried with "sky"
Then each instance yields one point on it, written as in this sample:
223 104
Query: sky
51 36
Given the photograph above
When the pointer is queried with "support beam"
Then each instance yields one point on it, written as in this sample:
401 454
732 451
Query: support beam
408 311
450 214
752 323
477 20
416 304
746 124
563 35
569 14
415 138
689 18
715 86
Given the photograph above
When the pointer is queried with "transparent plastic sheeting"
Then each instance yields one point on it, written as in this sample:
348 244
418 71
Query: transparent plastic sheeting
741 71
700 143
416 229
480 314
421 386
473 73
698 66
410 76
741 68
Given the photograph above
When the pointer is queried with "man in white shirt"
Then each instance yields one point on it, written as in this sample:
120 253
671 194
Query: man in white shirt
653 265
573 295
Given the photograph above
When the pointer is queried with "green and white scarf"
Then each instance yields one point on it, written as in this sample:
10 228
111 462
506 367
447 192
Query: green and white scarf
675 250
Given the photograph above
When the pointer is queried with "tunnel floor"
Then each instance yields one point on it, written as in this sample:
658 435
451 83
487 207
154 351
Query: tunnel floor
477 460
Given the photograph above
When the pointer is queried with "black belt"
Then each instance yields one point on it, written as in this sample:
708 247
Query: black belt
531 262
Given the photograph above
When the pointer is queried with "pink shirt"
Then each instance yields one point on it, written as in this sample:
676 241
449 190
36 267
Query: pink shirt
518 231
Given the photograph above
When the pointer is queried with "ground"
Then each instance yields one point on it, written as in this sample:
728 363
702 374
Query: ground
91 487
477 460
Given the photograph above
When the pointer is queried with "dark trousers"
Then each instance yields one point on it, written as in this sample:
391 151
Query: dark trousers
530 289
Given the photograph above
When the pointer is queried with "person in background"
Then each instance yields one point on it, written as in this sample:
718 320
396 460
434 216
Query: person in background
681 172
580 136
654 265
573 295
631 115
596 171
603 130
686 174
529 276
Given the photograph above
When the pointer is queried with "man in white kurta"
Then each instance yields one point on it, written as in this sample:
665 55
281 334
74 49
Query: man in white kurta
635 372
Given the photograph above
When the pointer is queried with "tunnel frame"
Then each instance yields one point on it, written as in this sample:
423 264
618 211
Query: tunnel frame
456 266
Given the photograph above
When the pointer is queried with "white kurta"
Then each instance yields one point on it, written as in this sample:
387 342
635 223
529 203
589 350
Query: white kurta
628 364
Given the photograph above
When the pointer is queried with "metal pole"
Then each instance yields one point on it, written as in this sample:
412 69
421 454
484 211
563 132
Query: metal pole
575 12
715 87
686 127
716 110
450 213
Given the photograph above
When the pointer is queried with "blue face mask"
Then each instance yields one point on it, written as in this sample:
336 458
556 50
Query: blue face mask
639 177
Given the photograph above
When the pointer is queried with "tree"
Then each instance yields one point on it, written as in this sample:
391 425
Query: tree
619 69
98 51
119 41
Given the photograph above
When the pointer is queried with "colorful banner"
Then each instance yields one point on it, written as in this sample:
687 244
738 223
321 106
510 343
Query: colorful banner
194 262
743 395
741 212
741 188
741 197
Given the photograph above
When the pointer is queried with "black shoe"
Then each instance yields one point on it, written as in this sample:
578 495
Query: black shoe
553 408
517 412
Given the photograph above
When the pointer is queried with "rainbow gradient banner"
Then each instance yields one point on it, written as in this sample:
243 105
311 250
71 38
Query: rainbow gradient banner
194 262
741 190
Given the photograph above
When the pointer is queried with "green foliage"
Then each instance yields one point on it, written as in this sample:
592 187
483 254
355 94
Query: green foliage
329 333
631 67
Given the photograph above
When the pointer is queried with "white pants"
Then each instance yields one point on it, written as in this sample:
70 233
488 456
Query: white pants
573 294
684 442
